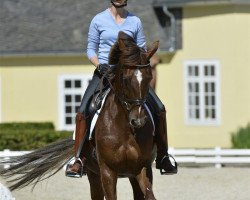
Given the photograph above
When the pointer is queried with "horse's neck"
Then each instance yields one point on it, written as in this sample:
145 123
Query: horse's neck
116 105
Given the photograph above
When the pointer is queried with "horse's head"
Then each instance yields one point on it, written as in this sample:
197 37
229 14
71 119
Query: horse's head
133 75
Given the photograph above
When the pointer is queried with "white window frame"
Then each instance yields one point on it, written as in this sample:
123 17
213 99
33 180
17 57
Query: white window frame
201 79
85 78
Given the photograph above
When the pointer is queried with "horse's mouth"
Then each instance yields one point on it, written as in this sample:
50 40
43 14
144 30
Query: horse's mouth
138 123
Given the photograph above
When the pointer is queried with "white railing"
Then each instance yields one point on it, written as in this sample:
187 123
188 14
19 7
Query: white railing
216 156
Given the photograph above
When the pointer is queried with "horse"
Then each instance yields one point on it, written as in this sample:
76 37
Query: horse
123 135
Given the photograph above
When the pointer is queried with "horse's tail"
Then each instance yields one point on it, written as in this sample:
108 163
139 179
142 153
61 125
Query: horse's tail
38 165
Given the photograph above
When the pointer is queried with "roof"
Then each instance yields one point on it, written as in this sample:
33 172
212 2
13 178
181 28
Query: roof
61 26
58 26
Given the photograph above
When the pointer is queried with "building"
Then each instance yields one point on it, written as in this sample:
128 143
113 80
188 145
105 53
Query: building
203 79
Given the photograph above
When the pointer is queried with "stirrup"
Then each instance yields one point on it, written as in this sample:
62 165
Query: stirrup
75 174
174 168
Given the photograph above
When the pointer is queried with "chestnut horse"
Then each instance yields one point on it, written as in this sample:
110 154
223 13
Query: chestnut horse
124 141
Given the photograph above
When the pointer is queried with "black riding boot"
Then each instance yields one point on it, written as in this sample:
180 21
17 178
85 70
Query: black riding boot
163 158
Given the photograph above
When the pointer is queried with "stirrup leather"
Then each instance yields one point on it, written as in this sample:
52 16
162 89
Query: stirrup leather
175 170
75 174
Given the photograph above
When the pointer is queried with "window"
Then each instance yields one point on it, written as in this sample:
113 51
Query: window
71 89
202 92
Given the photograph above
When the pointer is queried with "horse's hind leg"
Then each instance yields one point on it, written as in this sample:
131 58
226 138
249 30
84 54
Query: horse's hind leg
145 185
138 195
95 186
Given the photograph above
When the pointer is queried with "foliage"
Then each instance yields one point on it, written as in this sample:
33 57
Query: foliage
26 125
28 136
241 138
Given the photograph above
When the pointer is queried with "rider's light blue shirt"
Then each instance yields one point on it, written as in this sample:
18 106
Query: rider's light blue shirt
103 33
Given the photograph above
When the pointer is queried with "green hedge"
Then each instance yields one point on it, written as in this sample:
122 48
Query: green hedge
241 138
27 125
28 136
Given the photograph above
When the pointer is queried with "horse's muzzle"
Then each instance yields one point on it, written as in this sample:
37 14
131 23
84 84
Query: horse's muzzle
137 119
136 123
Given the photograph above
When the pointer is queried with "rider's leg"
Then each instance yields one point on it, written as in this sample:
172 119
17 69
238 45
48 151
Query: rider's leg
75 170
162 160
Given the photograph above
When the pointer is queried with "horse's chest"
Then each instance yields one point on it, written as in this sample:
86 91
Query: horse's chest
117 152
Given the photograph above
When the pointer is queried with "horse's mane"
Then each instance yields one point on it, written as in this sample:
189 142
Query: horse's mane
129 56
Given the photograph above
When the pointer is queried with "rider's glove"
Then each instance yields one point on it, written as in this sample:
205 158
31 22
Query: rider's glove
103 68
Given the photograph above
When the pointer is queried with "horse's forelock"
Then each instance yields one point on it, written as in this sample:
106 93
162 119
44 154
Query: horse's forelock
131 55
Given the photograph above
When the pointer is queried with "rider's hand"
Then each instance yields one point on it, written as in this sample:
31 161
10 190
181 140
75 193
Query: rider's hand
103 68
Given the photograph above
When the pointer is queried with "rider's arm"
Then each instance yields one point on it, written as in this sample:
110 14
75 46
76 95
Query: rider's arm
140 37
93 43
94 60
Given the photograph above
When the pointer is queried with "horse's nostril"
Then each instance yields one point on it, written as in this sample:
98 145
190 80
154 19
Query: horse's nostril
137 123
133 122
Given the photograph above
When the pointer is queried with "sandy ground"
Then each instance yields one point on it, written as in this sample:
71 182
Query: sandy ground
190 184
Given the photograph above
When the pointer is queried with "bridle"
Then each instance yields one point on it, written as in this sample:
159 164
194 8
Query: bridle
127 103
130 103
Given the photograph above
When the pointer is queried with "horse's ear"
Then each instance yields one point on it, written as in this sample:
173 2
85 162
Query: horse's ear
114 54
121 44
125 40
152 49
121 37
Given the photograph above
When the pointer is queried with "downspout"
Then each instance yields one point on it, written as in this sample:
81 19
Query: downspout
172 28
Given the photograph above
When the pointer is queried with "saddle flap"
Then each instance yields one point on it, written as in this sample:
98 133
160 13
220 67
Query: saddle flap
100 99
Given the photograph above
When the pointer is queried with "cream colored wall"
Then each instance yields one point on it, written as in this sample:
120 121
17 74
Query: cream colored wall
220 33
30 92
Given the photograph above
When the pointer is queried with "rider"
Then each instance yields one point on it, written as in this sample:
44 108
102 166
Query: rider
103 32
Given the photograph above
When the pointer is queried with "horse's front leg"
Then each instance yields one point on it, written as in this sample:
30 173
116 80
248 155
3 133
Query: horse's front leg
95 186
109 181
145 185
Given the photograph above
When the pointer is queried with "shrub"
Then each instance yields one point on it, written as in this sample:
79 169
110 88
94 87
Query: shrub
26 125
241 138
28 136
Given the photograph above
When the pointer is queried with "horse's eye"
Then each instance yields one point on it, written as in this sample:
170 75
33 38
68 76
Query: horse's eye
126 81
